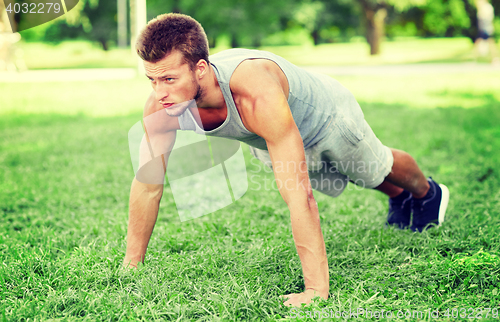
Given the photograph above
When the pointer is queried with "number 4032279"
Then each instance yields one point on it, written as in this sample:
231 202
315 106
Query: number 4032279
471 313
48 7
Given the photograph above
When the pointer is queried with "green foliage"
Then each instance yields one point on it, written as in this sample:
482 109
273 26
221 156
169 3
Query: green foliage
91 19
102 17
327 21
403 5
446 17
241 20
496 24
58 31
449 18
406 29
247 22
251 23
307 14
293 36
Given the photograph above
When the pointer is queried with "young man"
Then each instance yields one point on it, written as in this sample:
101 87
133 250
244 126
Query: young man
287 116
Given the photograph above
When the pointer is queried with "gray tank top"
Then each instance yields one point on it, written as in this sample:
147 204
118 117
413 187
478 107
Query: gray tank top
314 99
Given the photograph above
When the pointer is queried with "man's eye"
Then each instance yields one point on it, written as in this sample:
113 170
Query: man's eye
170 79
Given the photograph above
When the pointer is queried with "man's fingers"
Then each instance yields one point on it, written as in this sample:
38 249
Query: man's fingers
292 299
293 302
297 299
288 296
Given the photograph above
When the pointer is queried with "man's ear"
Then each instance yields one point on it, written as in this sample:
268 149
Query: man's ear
201 68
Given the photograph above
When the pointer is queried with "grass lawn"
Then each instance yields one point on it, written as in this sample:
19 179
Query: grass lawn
75 54
401 51
65 174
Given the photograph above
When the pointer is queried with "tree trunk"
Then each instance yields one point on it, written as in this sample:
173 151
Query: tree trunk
176 7
122 23
375 28
212 41
257 41
104 44
234 41
315 36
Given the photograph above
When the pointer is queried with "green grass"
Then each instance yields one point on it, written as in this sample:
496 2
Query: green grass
401 51
65 175
81 54
97 98
75 54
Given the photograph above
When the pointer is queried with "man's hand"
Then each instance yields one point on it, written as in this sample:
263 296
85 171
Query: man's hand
296 299
129 263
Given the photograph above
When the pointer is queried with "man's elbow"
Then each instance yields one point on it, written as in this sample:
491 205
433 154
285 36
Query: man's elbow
303 204
311 202
303 200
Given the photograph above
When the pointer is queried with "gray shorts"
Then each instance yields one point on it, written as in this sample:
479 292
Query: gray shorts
350 151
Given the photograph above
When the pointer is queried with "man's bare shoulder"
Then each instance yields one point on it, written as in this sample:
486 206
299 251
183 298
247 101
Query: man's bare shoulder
152 106
261 73
260 95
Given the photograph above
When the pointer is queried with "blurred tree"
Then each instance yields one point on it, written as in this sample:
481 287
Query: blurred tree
122 14
325 19
312 16
91 19
447 18
246 22
375 13
103 18
259 18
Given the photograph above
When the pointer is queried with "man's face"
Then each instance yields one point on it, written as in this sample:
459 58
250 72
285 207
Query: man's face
173 82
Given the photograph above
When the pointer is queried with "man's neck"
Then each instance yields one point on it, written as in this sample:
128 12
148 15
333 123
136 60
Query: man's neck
212 95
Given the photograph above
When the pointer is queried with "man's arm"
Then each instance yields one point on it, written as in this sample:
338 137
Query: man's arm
265 111
143 207
143 211
147 186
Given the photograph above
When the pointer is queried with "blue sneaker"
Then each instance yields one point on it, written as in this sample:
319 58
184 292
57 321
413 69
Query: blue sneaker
429 211
400 210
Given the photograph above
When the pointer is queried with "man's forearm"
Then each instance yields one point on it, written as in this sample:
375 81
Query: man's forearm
311 249
296 191
143 211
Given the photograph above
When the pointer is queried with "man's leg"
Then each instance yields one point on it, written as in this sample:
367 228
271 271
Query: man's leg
409 191
358 154
405 174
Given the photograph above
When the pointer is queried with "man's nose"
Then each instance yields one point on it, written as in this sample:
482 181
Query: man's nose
161 92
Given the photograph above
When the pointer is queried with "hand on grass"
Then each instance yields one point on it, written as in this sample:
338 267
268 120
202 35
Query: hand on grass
296 299
127 263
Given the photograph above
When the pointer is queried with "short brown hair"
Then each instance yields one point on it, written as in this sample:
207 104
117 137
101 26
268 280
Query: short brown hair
173 31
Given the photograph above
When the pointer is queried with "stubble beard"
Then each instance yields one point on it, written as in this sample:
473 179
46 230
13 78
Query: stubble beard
198 97
180 108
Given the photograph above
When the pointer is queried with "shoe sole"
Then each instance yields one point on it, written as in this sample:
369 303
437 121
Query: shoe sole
445 198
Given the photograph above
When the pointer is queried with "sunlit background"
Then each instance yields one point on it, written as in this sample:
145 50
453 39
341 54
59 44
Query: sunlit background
92 42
